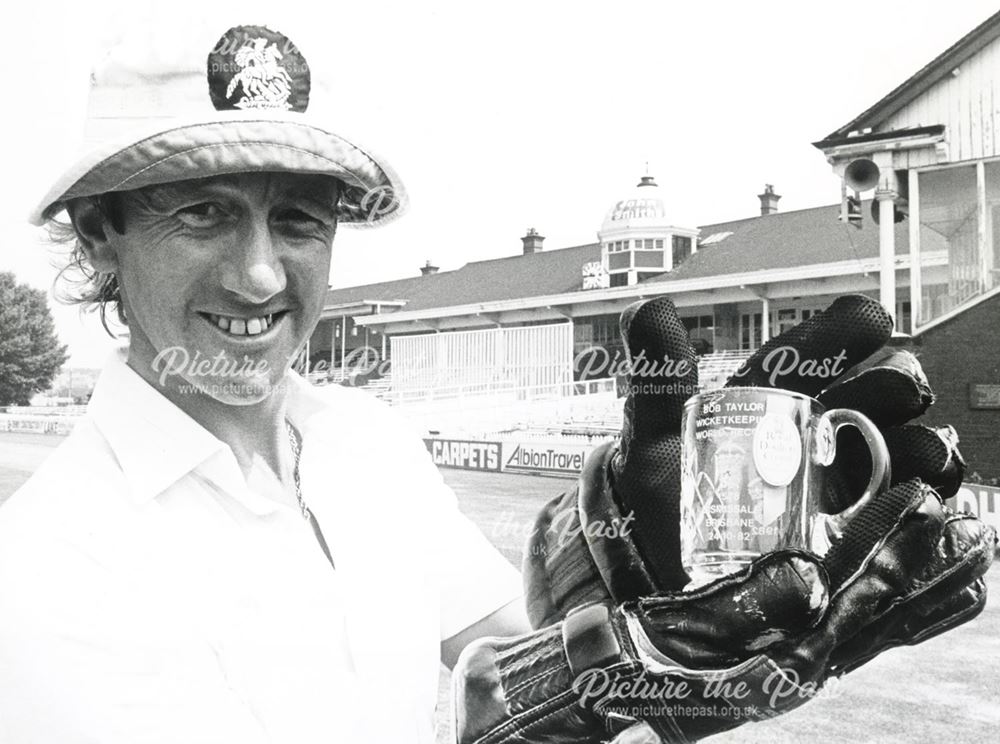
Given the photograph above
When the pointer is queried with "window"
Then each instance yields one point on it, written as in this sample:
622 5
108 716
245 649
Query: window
750 331
620 279
601 330
681 248
715 238
951 263
701 331
658 244
992 248
786 320
596 345
903 316
619 260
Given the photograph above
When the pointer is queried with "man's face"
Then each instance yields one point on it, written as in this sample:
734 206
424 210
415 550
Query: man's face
223 279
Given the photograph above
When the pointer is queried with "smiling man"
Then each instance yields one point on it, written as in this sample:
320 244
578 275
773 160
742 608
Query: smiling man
221 552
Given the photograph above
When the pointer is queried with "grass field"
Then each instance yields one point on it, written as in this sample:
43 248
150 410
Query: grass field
947 689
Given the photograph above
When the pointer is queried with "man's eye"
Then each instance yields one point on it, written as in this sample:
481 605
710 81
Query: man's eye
297 217
205 214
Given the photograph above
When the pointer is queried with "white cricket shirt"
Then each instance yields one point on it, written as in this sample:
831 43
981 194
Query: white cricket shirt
147 594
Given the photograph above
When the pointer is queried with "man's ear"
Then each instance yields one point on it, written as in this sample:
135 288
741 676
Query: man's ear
92 226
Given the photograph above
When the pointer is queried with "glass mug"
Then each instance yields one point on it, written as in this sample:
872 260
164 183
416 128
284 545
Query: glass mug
753 462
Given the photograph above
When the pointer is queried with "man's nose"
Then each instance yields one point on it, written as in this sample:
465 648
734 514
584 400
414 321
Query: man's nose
253 270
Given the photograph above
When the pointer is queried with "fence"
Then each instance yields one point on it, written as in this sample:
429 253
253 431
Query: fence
508 408
497 361
44 424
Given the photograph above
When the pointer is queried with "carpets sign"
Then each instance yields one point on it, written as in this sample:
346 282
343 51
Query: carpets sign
465 454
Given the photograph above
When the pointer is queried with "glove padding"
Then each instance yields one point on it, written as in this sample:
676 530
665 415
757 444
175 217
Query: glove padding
748 646
577 551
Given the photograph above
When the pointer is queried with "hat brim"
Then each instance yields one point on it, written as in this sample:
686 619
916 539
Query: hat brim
237 142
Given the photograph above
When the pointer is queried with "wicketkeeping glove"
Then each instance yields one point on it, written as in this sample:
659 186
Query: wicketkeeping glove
905 569
627 544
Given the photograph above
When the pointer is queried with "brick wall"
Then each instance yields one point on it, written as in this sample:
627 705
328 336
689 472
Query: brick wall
955 354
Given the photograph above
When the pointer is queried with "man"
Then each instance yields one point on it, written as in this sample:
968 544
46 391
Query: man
220 552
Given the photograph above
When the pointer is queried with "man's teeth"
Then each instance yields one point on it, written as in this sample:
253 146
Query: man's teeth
243 326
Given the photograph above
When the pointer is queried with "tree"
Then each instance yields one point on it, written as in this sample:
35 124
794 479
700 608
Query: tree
30 352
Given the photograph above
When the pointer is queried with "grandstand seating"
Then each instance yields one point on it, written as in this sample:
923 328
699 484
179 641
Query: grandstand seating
575 411
581 411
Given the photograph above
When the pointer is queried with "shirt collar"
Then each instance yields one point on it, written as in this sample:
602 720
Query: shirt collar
304 401
156 443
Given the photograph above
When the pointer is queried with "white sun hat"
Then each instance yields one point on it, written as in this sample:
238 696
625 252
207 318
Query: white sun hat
231 99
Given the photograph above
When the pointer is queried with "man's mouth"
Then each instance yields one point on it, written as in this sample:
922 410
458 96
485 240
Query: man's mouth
244 326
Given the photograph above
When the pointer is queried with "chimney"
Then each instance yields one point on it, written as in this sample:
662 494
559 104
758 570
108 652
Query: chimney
427 269
532 241
768 200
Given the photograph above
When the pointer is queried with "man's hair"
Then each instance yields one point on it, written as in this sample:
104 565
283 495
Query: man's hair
82 284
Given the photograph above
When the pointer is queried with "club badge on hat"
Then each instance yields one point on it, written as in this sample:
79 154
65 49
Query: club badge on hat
162 110
252 67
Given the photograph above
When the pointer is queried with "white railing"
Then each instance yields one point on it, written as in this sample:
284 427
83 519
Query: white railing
482 362
504 389
73 410
463 412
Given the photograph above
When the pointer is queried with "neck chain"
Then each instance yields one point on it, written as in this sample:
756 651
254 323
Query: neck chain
296 442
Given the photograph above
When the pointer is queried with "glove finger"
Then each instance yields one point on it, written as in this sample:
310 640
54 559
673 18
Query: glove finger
647 484
883 549
892 537
903 627
948 593
608 533
809 356
646 469
558 570
916 451
889 387
663 370
719 625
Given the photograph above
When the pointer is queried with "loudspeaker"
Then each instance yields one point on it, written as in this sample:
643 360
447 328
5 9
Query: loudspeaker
861 174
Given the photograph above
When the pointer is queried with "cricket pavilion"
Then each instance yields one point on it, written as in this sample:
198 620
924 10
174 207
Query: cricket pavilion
917 226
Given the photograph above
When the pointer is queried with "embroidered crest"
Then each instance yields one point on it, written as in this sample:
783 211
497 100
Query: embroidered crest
265 82
252 67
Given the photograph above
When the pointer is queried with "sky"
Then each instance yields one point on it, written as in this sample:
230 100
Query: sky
505 116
